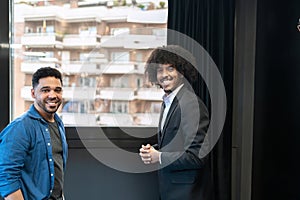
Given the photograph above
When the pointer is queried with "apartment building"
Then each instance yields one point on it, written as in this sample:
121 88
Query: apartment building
101 51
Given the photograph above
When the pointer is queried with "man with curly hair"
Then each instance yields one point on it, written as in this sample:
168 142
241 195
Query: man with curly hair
182 126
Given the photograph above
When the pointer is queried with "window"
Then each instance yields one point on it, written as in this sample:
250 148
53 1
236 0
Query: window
83 56
119 107
101 75
87 30
120 82
50 29
139 57
28 29
117 31
138 82
120 56
39 29
87 82
160 32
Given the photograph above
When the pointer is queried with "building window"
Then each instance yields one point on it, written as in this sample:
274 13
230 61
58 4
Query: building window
39 29
120 56
28 29
119 107
87 81
91 30
83 56
50 29
139 57
160 32
117 31
120 82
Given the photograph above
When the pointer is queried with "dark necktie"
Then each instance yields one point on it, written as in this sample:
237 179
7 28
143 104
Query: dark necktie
163 106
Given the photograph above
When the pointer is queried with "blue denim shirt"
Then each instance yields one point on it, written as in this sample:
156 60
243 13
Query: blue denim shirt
26 161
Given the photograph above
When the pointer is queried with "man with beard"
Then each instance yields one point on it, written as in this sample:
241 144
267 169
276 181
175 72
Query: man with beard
33 147
182 126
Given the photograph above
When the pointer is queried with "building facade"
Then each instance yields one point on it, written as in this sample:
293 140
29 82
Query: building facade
101 51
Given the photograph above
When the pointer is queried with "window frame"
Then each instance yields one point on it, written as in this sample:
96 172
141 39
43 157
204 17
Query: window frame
5 54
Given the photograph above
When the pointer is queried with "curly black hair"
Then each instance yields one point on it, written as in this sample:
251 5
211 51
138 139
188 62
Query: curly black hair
182 60
45 72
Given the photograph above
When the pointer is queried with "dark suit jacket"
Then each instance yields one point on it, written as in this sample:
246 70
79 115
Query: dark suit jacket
181 172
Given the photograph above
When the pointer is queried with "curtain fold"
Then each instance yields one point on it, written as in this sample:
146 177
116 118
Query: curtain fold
209 23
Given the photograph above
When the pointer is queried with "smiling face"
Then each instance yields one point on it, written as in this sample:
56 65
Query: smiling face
48 97
168 77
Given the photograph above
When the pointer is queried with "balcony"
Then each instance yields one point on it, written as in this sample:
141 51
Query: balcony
29 67
123 68
110 119
150 94
77 67
131 41
42 40
92 67
122 94
129 94
79 93
81 41
78 119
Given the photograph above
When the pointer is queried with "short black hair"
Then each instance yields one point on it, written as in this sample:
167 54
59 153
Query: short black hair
181 59
45 72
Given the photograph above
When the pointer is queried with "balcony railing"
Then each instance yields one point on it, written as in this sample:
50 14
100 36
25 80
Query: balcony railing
30 67
131 41
154 94
81 40
92 67
41 40
122 94
77 67
110 119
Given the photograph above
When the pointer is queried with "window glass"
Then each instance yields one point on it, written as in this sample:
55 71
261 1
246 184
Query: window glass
120 56
117 31
101 52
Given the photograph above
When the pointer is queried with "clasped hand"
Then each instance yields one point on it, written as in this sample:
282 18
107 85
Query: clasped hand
149 154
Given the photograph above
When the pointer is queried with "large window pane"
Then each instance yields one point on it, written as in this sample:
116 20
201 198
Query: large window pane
100 49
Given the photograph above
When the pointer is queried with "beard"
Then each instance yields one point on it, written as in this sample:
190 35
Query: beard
48 108
168 91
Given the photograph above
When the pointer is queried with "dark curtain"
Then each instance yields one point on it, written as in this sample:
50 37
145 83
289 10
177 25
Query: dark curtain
211 24
276 150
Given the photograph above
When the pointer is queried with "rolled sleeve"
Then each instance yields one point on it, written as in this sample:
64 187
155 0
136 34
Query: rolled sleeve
13 145
10 188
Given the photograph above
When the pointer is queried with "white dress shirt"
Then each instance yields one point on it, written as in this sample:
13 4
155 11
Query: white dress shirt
168 99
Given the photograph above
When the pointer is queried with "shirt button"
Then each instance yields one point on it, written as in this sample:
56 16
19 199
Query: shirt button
50 160
50 191
46 129
48 144
51 174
